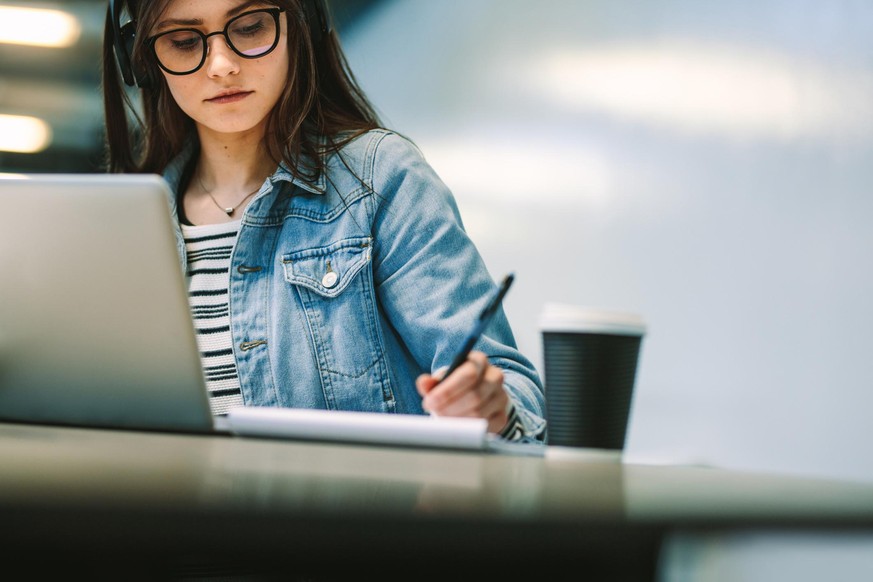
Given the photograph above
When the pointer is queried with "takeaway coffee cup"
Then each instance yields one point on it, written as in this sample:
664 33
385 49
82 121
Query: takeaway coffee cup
590 358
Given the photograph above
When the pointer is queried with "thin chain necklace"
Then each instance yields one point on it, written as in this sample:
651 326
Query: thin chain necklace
229 210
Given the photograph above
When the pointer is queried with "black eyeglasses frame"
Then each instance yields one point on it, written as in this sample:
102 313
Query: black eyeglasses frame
274 12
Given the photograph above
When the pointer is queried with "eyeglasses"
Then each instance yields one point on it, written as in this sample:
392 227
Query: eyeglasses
182 51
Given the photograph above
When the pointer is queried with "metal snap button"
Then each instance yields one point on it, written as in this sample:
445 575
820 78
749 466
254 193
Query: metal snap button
329 280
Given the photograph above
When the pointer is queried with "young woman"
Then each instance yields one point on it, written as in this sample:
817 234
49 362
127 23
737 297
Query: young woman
327 263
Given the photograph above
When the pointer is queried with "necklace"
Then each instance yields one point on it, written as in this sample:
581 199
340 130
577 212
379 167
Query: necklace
229 210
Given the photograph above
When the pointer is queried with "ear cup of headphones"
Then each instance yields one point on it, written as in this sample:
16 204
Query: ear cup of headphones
141 77
123 40
113 14
127 40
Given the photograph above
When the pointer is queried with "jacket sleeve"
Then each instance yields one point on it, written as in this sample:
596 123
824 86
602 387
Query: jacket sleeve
432 281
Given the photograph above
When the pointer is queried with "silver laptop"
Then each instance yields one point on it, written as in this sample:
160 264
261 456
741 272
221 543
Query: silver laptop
95 328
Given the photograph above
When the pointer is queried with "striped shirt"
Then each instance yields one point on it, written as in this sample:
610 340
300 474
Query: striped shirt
209 248
514 429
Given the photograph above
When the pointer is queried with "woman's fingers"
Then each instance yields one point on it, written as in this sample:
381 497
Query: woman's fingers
466 377
425 384
475 389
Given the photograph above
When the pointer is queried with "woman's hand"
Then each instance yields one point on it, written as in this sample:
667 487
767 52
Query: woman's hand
475 389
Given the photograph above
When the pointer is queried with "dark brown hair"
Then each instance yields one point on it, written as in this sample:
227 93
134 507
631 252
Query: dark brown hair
321 109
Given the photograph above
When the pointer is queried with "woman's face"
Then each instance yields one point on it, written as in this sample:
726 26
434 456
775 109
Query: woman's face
228 94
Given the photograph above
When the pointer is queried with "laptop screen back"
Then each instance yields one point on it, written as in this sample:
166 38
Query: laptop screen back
95 328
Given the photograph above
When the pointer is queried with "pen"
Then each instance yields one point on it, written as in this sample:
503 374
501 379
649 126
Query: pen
481 324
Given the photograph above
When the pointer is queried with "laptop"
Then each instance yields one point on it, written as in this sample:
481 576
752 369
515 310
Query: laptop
95 328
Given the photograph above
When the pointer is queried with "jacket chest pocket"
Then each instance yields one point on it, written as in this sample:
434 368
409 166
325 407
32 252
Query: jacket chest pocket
337 296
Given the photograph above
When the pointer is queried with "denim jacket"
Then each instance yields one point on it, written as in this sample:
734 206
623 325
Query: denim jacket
343 290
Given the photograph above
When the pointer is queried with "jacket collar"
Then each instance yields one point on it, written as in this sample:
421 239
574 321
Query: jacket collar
317 186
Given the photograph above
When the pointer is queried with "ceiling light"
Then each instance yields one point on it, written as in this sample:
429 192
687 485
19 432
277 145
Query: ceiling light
38 27
26 135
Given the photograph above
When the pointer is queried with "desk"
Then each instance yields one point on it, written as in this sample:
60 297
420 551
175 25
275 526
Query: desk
97 501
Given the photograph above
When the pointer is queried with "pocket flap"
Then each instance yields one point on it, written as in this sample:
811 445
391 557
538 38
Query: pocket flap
327 270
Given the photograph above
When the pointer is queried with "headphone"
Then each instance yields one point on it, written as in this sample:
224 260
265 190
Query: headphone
124 35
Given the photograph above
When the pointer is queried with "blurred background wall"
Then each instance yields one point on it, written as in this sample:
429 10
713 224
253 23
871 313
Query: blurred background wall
704 164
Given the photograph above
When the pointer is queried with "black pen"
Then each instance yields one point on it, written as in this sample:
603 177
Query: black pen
481 324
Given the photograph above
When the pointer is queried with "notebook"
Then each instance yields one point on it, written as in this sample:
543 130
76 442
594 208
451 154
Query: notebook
96 330
409 430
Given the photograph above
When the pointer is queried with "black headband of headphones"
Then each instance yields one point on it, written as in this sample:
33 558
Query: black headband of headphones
124 35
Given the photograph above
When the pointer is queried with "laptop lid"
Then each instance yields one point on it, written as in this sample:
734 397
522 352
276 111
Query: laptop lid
95 327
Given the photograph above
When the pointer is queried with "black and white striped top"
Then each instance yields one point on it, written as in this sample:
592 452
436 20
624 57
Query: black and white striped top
209 248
